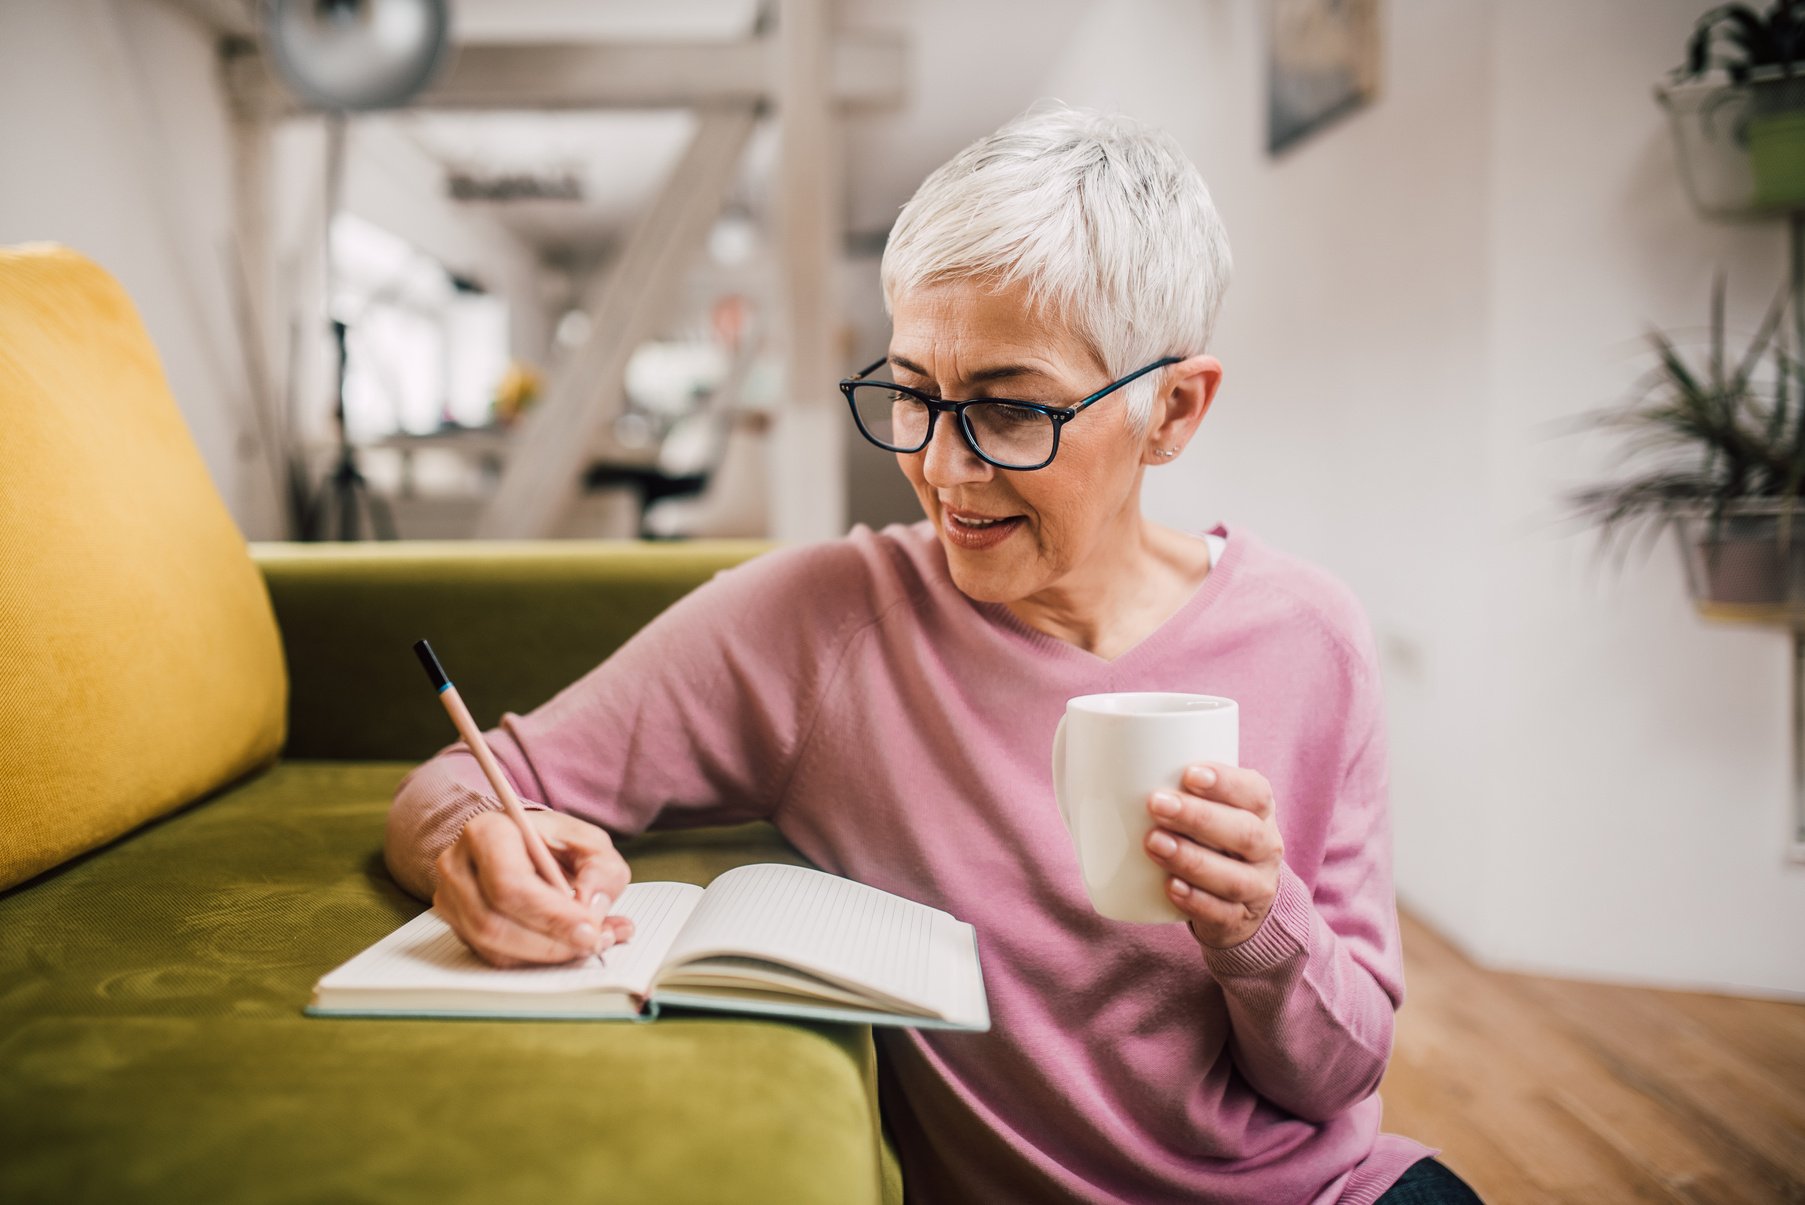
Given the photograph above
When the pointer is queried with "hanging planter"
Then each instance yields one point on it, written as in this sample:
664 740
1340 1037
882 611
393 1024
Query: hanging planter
1740 147
1747 563
1738 118
1733 481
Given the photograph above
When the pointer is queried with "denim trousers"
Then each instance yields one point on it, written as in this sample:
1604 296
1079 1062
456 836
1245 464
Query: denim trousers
1429 1182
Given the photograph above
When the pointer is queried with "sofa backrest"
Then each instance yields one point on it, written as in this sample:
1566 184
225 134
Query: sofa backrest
514 622
140 666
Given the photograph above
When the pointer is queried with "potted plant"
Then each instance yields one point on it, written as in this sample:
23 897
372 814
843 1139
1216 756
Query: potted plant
1732 471
1741 143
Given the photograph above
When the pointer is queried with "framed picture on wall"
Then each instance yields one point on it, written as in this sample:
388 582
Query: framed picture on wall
1323 63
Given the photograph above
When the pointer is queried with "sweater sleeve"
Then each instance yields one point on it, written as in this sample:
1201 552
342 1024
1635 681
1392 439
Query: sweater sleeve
1312 994
694 720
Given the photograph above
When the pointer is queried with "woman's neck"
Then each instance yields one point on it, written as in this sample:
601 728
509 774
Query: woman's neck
1123 593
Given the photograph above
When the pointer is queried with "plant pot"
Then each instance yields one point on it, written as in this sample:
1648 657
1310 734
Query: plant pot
1776 133
1744 569
1739 145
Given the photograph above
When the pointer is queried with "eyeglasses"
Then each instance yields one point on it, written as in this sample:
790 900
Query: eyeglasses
1007 433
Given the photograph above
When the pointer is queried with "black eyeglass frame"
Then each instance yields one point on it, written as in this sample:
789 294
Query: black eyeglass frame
1061 415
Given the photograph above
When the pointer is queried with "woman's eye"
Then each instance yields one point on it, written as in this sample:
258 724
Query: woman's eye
1016 415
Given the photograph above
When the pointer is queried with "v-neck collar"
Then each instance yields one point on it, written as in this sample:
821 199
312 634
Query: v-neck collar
1214 583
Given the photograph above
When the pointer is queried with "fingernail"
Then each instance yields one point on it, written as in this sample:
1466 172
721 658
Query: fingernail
1203 776
607 940
1165 803
1179 887
598 904
586 936
1163 844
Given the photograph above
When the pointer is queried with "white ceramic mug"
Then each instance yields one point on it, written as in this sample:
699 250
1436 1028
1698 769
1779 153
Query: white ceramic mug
1110 752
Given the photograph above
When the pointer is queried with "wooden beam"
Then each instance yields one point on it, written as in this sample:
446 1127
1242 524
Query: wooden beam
808 448
251 266
868 70
627 306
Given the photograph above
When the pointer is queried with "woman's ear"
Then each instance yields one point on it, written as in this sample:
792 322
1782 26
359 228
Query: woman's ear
1186 391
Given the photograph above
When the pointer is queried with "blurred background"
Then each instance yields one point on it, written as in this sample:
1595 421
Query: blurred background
599 278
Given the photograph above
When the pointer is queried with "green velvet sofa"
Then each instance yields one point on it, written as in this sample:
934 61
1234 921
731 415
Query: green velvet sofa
152 1045
199 740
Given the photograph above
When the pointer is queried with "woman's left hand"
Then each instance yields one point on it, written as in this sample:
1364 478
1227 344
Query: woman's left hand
1219 843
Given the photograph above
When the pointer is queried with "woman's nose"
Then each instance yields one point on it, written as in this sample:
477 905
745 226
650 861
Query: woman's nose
948 459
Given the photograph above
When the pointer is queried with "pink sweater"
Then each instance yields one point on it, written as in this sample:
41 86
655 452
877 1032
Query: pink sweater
898 732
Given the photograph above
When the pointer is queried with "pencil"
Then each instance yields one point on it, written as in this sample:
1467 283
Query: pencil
536 848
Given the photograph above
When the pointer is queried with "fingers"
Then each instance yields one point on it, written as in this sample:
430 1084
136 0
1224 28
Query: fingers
1207 870
510 881
1233 785
1208 916
1218 825
597 871
496 936
493 896
587 853
1219 843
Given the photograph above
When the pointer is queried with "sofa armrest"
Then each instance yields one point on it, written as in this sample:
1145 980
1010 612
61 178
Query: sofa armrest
514 623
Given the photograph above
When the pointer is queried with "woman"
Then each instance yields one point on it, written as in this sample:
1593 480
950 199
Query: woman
887 701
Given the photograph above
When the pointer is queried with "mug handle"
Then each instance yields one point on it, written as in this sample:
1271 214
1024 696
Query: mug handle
1065 813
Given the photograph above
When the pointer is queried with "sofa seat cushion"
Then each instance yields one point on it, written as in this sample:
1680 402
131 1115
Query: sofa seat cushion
140 667
152 1045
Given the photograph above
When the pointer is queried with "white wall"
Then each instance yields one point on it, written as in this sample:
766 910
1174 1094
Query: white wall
115 141
1587 779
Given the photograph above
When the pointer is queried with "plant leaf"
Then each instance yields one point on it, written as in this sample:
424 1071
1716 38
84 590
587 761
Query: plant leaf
1769 324
1717 329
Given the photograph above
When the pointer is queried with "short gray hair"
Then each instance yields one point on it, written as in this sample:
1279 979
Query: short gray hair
1106 220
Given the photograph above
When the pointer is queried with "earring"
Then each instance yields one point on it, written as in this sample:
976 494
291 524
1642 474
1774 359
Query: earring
1167 451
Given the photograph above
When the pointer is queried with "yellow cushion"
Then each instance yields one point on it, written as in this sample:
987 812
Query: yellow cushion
140 667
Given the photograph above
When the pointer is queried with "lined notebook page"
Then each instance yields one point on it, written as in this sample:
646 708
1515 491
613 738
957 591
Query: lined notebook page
658 911
834 927
424 954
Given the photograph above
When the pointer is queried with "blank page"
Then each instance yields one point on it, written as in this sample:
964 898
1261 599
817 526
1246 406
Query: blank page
839 929
425 954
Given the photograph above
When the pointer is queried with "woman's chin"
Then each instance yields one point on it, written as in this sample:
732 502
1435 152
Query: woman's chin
981 581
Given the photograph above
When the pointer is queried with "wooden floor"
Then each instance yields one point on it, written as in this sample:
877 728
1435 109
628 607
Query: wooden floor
1551 1090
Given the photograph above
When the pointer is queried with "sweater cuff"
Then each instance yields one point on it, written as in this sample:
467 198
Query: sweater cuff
431 807
488 801
1284 934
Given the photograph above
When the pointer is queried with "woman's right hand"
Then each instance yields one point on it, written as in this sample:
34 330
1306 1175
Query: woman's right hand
493 898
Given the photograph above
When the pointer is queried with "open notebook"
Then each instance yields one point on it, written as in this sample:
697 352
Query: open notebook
783 940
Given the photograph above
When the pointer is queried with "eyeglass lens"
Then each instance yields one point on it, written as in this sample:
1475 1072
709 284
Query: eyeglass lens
1010 435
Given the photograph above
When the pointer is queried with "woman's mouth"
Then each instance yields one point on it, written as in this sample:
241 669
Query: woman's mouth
971 531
